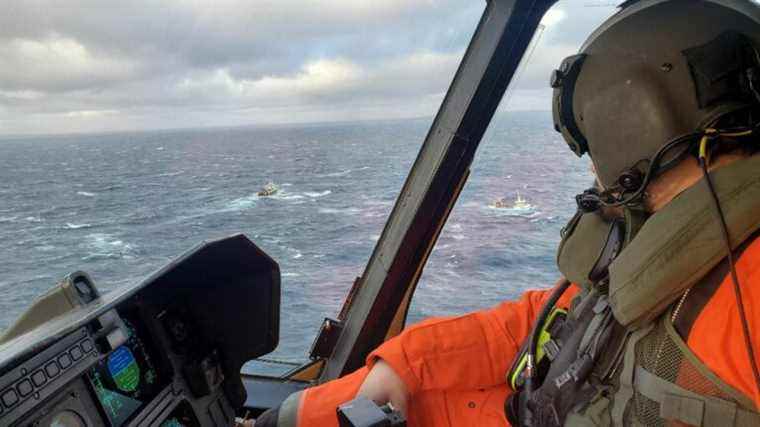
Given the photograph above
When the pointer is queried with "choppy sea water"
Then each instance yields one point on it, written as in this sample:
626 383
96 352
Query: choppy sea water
120 206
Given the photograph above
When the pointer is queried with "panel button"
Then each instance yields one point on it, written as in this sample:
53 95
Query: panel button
38 378
64 360
86 346
51 369
76 353
25 388
9 398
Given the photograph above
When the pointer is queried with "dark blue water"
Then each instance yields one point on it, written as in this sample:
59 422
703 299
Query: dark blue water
120 206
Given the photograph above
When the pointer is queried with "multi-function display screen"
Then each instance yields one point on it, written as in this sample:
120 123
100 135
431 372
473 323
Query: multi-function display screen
126 380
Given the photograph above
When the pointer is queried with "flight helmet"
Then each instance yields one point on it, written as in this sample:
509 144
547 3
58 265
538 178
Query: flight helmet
657 71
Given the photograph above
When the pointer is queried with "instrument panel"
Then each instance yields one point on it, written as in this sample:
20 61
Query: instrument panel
127 379
166 352
121 378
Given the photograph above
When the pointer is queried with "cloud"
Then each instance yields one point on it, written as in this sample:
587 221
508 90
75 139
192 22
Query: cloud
58 64
553 17
89 65
327 81
91 113
321 78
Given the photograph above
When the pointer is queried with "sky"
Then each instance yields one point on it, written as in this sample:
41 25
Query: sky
110 65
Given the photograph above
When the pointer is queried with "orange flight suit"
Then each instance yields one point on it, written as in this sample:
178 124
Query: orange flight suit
455 367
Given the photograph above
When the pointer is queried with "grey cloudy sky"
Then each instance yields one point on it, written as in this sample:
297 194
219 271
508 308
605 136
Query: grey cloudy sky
96 65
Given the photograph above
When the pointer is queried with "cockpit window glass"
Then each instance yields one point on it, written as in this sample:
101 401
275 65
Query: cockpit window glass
502 235
131 132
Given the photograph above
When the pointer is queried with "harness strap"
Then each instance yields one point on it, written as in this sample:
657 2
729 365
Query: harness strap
679 404
625 391
600 321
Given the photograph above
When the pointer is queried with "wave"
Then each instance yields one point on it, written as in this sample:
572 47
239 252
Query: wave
36 278
104 240
545 220
371 202
170 174
72 226
241 203
284 195
34 219
86 193
7 218
101 256
107 246
349 211
336 174
375 214
247 202
314 195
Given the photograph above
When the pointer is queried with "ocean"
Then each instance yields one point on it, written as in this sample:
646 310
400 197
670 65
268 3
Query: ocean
119 206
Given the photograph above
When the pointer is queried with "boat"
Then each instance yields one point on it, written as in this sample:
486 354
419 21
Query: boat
75 357
270 189
518 206
521 204
500 204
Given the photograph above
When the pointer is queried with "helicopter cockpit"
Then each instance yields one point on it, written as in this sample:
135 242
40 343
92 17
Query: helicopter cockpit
165 352
168 351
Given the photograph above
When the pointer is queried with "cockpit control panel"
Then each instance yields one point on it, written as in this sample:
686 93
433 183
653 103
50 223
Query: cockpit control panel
166 352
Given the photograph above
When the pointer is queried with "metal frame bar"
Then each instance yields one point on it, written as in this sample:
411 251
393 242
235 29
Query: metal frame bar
499 43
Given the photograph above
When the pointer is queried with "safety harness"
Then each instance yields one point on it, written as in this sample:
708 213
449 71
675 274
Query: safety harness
617 358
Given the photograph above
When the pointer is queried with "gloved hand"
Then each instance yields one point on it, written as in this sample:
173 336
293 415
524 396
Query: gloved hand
383 385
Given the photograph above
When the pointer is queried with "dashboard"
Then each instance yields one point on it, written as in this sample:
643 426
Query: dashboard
127 379
166 352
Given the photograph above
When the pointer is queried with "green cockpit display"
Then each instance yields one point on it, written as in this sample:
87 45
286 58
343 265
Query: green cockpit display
124 370
125 380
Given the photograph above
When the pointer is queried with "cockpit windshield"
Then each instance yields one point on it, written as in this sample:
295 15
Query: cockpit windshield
126 142
502 235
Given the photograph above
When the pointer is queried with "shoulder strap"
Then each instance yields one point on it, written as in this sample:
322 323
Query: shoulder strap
679 404
626 387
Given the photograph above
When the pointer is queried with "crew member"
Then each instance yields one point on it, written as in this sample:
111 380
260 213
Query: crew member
661 325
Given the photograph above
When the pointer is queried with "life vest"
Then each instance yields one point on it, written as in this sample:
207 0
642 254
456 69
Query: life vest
618 359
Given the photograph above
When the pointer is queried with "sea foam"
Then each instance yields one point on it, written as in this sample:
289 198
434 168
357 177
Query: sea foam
315 195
